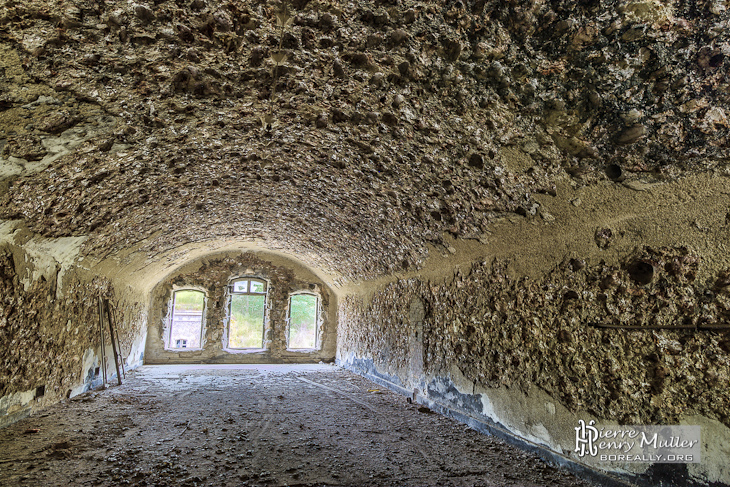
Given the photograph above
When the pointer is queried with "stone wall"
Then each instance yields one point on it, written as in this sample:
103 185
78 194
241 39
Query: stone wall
49 328
485 333
212 275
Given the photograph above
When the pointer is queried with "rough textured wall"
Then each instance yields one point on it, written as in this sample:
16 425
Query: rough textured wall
50 337
213 276
482 342
356 132
501 331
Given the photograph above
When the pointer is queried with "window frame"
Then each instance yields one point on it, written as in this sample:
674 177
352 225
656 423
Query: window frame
230 292
170 320
317 321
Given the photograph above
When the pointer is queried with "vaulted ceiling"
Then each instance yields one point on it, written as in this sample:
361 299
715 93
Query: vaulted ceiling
352 134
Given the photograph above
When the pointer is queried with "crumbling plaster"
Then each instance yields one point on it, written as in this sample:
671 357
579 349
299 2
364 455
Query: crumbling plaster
388 123
50 323
516 342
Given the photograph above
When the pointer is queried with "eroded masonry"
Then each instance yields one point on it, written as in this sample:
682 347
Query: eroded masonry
514 212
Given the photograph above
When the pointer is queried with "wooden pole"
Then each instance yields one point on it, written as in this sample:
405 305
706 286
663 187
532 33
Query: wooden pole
113 320
114 347
101 333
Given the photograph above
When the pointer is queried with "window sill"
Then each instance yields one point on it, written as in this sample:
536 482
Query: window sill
179 350
245 350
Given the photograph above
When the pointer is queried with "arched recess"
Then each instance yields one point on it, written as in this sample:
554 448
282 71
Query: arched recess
263 283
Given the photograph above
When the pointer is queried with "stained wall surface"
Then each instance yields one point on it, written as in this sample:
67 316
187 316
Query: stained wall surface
643 342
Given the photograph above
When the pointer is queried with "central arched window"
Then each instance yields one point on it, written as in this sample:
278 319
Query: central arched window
246 313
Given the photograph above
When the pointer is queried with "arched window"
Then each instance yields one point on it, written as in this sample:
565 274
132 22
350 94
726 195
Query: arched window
186 319
303 321
246 313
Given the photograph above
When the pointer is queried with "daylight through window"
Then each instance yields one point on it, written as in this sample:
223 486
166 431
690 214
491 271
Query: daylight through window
186 323
246 314
303 313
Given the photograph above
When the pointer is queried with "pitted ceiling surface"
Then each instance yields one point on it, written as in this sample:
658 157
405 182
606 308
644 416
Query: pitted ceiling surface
351 132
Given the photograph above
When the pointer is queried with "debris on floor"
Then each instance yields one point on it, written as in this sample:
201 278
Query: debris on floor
314 425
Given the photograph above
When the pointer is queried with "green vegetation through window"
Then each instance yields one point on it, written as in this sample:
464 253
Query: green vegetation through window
246 314
303 321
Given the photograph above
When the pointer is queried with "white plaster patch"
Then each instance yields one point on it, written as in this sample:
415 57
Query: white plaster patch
715 450
136 354
17 401
550 408
89 361
488 408
7 229
538 433
55 146
11 166
78 390
51 258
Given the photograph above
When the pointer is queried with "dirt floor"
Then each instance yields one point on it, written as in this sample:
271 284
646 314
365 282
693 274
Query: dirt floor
256 425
